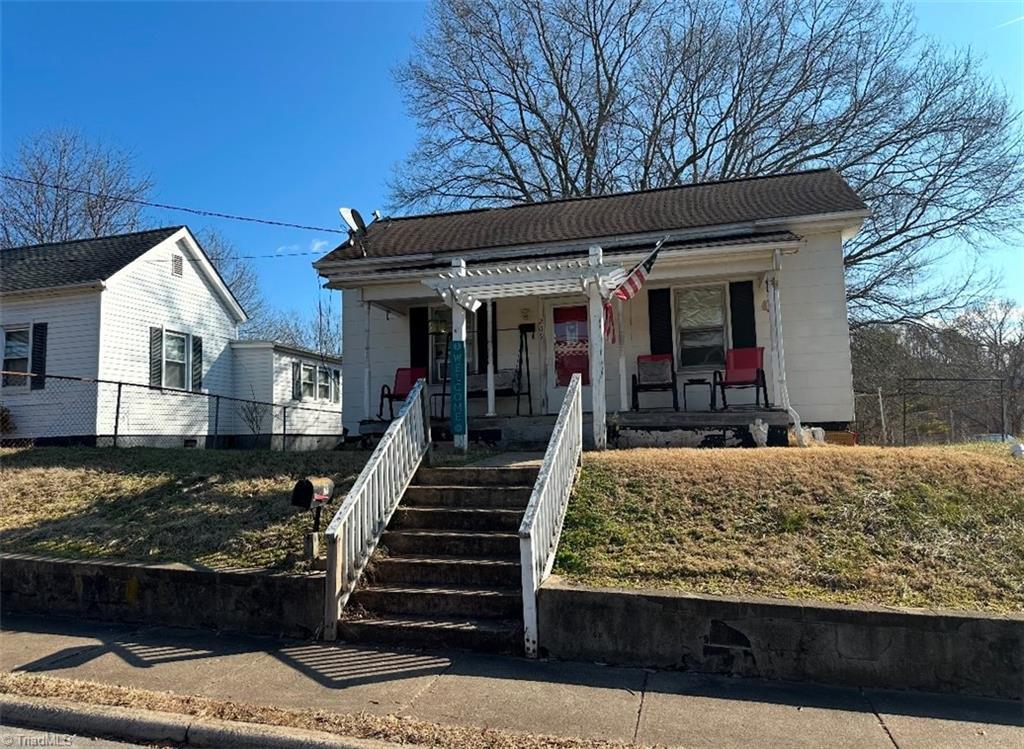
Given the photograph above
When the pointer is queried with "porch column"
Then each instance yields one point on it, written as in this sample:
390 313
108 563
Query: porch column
490 358
598 406
775 318
457 367
366 362
621 332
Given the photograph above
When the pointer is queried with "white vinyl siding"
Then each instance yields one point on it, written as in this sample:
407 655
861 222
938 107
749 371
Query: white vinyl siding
144 295
61 407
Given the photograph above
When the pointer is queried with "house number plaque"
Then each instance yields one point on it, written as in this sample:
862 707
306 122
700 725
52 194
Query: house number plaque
457 370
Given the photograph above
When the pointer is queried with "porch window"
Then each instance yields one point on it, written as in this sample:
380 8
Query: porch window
16 356
323 384
440 334
700 326
308 381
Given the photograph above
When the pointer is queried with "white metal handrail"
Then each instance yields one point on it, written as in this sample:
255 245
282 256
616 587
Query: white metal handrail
359 523
542 522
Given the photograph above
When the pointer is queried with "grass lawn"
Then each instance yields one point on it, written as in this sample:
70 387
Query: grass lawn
920 527
216 508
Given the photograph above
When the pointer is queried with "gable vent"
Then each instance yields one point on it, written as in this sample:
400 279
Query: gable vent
177 265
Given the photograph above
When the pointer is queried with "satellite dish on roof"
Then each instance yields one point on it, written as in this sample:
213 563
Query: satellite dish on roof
355 222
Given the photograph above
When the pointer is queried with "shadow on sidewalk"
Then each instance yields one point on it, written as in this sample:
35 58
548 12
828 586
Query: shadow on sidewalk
339 666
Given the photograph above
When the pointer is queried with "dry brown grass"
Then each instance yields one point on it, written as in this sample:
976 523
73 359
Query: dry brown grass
922 527
362 725
216 508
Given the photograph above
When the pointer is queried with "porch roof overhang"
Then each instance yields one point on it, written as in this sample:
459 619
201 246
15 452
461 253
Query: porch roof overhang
556 277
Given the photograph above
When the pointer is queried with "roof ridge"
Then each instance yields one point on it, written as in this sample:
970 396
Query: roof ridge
577 198
96 239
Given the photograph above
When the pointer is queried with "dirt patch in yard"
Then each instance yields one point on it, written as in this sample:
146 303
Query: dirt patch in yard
215 508
919 527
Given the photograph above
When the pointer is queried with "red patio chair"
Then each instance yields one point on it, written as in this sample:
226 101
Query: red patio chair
405 379
654 372
744 368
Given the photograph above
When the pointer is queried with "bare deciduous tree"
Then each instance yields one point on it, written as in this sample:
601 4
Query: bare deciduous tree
33 214
526 100
255 414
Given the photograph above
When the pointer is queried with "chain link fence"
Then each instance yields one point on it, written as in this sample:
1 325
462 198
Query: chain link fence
40 410
934 410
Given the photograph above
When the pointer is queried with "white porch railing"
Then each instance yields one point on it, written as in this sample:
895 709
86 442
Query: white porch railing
542 522
360 521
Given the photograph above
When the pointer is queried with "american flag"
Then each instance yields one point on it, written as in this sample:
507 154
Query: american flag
629 289
635 280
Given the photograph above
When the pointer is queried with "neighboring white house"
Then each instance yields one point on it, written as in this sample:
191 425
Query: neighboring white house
744 263
147 309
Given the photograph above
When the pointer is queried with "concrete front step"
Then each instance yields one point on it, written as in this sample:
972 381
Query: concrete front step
469 476
452 543
499 497
441 570
446 601
456 519
487 635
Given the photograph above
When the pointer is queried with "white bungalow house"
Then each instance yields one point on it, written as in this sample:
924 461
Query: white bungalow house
147 310
753 265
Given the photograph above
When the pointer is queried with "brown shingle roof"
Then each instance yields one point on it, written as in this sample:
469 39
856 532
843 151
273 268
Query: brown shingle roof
665 209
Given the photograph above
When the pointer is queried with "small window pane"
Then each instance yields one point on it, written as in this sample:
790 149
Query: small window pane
700 308
323 384
174 374
337 386
16 344
174 347
308 381
16 356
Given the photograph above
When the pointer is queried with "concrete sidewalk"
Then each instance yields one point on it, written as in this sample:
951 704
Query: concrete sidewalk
562 699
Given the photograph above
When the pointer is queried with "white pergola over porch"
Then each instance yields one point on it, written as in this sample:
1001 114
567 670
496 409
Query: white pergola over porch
465 290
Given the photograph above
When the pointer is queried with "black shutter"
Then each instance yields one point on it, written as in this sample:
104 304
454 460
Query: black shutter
38 356
659 320
419 337
197 364
156 352
741 308
296 381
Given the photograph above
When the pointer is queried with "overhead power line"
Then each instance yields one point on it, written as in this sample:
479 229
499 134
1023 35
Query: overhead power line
167 207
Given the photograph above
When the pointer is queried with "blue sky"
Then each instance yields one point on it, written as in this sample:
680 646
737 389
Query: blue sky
288 110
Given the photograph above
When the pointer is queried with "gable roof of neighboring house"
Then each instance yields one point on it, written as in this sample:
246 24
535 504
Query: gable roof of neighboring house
85 262
681 208
79 261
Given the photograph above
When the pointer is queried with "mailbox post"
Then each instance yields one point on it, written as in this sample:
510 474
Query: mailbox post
312 494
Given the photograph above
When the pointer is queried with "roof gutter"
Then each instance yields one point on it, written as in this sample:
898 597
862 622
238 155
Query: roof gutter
75 288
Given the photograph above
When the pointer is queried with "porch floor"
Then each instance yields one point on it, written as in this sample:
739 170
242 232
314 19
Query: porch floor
534 431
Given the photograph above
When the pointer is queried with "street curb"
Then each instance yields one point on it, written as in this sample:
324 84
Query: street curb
127 724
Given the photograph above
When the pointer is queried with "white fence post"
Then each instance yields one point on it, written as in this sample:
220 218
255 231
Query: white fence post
359 523
542 521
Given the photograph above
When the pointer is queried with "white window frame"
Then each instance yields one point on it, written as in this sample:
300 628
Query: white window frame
24 386
726 325
303 368
187 362
325 372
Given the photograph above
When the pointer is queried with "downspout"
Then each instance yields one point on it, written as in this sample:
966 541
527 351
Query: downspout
779 350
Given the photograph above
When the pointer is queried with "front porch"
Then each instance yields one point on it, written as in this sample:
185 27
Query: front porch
498 345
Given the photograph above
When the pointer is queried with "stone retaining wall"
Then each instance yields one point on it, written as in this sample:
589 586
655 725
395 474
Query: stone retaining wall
965 653
252 601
